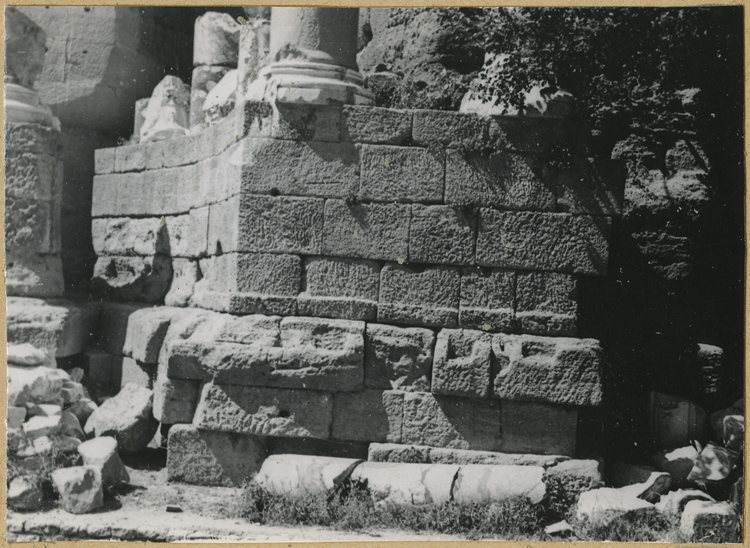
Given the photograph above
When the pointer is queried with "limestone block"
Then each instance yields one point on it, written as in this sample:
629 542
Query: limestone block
593 186
280 225
185 275
391 452
140 108
255 119
424 296
27 354
677 463
316 447
31 176
29 226
80 488
70 427
102 454
546 303
255 330
177 151
167 114
250 57
34 275
126 236
557 370
130 158
262 273
305 122
456 423
450 129
169 191
709 519
139 374
24 48
62 328
442 235
39 426
462 365
216 40
25 493
264 411
543 241
104 160
300 476
363 124
603 506
368 231
713 464
32 385
187 234
487 299
502 180
538 428
370 415
175 400
204 79
146 329
399 358
143 279
413 484
640 481
127 417
244 303
82 409
223 226
16 416
340 288
486 484
104 193
220 102
674 502
401 174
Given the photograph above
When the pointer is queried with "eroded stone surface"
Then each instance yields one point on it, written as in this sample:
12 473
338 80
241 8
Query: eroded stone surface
340 288
487 299
80 488
398 357
442 235
530 427
299 476
370 415
423 296
546 303
102 454
216 40
605 505
127 417
399 483
462 365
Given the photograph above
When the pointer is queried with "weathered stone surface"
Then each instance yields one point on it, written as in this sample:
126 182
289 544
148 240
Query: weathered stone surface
34 275
104 160
425 296
734 432
713 519
603 506
593 186
546 303
391 452
221 101
82 409
127 417
367 231
30 385
25 493
203 80
175 400
363 124
254 329
70 426
306 122
713 464
398 483
502 180
329 170
450 129
370 415
280 225
42 426
102 453
31 176
317 447
261 273
462 364
577 476
299 476
543 241
168 111
114 324
80 488
340 288
644 483
137 373
24 49
529 427
677 463
485 484
29 226
245 303
441 235
675 421
145 333
674 502
28 354
556 370
203 457
264 411
62 328
216 40
185 274
487 299
401 174
398 357
143 279
16 416
130 158
455 423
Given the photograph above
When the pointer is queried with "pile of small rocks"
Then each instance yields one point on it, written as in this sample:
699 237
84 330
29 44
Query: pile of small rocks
58 434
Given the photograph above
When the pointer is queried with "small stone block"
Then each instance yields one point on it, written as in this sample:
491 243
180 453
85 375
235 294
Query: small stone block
442 235
462 364
175 400
450 129
301 122
137 373
487 299
538 428
104 161
280 224
365 124
370 415
398 358
401 174
547 303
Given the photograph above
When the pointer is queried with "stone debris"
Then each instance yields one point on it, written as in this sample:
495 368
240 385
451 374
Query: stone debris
674 502
677 463
34 385
127 417
40 426
639 481
734 432
216 40
82 409
577 475
704 517
221 98
560 528
80 488
298 476
25 493
16 416
605 505
102 454
486 484
714 463
167 114
27 354
70 426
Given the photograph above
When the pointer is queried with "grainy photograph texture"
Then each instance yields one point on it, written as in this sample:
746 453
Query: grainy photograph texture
316 274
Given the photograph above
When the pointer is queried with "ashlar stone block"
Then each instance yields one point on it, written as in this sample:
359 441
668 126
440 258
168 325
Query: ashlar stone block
364 124
398 358
401 174
340 288
463 363
547 303
539 428
280 224
442 235
369 415
487 299
450 129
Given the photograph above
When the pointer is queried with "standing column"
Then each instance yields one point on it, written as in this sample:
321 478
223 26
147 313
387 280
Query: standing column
313 58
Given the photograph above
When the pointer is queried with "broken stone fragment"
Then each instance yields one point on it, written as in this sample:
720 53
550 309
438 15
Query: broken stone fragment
102 454
298 476
27 354
713 464
71 391
140 279
16 416
39 426
677 463
80 488
82 409
560 528
70 426
167 114
34 385
674 502
221 99
127 417
715 518
25 48
25 493
216 40
734 432
639 481
603 506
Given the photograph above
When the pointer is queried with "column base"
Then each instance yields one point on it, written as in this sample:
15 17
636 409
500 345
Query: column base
309 83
